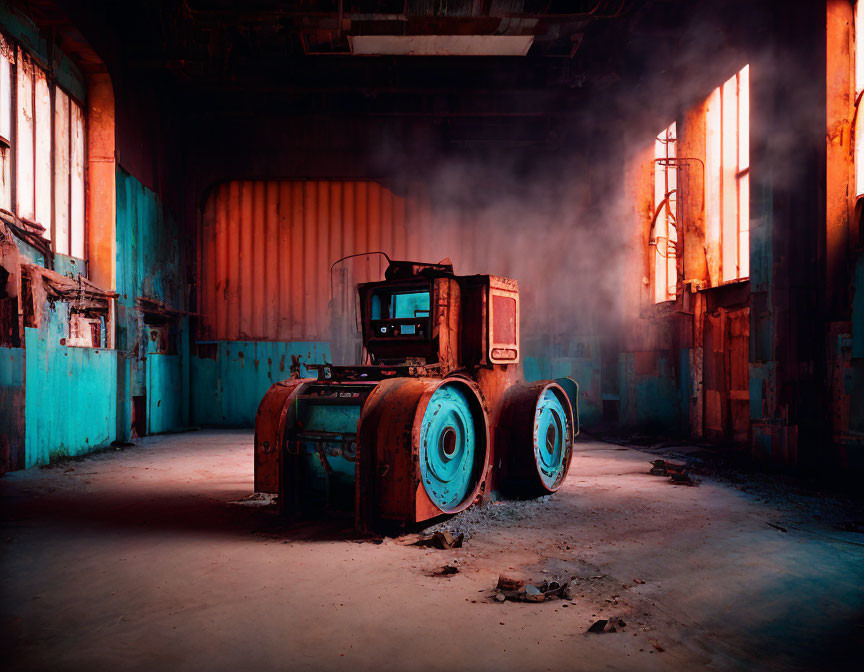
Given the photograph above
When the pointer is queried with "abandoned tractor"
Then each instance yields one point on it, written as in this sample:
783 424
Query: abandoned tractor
437 419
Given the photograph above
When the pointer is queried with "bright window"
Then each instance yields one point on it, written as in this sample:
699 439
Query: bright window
45 133
664 233
727 168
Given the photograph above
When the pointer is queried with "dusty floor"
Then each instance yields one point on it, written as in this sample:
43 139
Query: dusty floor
138 560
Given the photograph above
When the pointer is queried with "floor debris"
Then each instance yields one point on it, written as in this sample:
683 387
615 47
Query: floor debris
612 624
256 499
682 478
518 590
447 570
443 540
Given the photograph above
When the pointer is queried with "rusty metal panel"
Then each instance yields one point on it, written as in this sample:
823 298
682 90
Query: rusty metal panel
267 247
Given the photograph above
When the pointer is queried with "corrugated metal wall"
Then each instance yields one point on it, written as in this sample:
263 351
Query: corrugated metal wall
267 246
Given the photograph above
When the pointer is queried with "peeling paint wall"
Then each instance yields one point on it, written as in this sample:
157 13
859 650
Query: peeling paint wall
231 377
151 265
12 404
70 393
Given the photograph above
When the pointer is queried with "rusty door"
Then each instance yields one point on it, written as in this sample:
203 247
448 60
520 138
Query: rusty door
726 376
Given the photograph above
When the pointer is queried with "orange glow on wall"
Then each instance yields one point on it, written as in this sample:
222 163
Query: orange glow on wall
664 238
267 247
727 183
5 125
859 87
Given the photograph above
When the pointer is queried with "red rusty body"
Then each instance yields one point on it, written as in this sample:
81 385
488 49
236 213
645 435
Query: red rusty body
389 481
424 328
274 413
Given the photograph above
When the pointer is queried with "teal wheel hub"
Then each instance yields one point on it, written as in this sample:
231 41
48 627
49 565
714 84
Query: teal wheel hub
551 435
448 443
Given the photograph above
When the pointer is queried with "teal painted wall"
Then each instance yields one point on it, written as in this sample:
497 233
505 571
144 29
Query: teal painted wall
652 401
150 264
585 371
67 401
70 393
229 385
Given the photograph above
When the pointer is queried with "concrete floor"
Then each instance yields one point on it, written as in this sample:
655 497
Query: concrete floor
138 560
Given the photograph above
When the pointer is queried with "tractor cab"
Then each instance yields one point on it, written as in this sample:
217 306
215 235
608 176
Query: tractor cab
436 417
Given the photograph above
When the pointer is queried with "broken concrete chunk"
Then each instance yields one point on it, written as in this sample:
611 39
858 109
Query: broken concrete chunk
510 583
442 540
571 591
612 624
533 594
599 626
500 597
446 570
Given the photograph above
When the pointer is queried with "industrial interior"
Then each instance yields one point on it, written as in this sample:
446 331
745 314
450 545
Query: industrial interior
431 334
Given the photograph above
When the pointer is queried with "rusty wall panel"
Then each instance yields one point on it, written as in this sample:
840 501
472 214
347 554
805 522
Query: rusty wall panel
267 247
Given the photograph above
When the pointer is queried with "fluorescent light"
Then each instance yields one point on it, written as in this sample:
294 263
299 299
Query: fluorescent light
440 45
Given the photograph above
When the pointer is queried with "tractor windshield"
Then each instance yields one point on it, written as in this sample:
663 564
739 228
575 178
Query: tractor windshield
400 305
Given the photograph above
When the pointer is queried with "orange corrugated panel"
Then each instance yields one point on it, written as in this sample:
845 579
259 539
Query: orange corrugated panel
399 227
361 217
232 254
259 233
267 247
310 239
247 261
298 252
348 218
270 268
323 256
285 260
373 222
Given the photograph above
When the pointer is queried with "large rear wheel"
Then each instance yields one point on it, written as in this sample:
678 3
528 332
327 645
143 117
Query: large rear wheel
448 444
552 432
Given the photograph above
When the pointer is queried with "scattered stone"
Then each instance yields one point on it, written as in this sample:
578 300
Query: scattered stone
682 478
257 499
441 540
501 597
510 583
657 645
447 570
640 581
600 626
658 468
611 624
533 594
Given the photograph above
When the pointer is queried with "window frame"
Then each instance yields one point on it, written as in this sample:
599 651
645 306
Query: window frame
727 184
666 210
15 52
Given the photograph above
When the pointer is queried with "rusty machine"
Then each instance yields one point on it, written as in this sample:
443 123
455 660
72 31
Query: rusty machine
436 419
